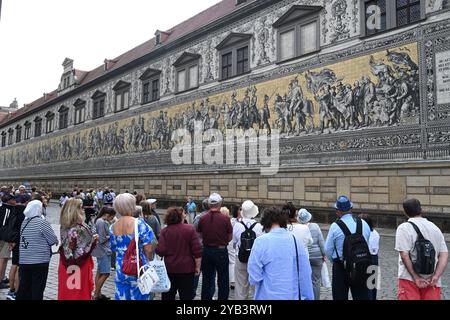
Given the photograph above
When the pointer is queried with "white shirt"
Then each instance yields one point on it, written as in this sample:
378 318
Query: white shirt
239 228
374 242
406 237
302 233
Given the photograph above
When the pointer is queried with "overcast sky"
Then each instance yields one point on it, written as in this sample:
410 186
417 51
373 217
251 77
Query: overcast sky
36 36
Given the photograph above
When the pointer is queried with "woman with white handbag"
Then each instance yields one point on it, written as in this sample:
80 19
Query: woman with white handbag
129 236
180 247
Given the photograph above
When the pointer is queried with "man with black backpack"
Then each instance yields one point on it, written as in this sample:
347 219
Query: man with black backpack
423 255
347 247
244 234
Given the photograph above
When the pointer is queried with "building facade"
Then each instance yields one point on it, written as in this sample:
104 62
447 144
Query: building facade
362 110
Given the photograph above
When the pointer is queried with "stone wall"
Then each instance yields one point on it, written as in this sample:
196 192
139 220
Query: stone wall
379 189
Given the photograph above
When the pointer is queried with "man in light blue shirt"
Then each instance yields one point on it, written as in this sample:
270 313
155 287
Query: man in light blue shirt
334 250
273 267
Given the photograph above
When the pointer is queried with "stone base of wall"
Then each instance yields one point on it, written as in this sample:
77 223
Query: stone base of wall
379 189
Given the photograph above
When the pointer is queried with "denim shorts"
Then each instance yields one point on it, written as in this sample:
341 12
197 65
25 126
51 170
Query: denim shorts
104 265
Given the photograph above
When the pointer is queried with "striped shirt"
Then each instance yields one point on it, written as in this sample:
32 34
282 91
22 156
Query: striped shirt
36 241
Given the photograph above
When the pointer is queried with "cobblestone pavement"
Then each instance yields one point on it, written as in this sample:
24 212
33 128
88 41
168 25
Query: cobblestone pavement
388 273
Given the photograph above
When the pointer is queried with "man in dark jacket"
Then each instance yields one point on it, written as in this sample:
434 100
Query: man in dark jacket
11 217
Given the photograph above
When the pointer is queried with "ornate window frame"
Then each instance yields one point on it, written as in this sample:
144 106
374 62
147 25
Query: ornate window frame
98 104
63 117
184 63
122 91
79 112
229 47
37 127
150 79
297 17
49 122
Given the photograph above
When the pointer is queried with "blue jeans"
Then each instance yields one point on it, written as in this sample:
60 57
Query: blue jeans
215 260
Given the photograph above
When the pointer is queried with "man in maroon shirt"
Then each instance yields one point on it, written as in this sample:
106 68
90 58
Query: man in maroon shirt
216 231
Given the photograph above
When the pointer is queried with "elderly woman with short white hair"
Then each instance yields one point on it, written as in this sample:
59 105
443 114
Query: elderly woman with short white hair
122 234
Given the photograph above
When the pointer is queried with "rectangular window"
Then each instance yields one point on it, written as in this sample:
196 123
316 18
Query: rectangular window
18 135
63 120
118 102
408 11
27 132
146 92
80 114
287 45
242 61
155 90
10 137
3 140
227 65
308 38
181 80
122 100
50 122
98 109
126 100
38 129
193 77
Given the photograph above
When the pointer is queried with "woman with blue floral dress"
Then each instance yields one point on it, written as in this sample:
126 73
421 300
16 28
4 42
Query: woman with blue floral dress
122 233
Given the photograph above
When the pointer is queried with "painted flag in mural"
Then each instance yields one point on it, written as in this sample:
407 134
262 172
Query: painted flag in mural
401 58
316 80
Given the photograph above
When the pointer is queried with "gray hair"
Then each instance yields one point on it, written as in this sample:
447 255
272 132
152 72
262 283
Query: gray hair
125 204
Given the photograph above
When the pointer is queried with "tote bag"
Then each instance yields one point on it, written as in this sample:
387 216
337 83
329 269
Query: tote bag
163 285
147 275
325 276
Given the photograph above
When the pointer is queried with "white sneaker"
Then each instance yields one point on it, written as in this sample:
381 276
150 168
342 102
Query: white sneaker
11 296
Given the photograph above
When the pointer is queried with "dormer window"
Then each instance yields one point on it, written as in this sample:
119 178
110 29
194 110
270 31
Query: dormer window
158 38
122 96
298 32
50 122
234 53
27 135
187 67
18 133
80 111
37 127
150 85
98 109
63 117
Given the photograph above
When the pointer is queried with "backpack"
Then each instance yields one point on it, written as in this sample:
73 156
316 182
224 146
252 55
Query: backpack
8 225
425 261
109 198
356 254
248 237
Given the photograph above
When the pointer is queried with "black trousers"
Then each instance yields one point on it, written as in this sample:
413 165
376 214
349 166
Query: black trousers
215 260
341 287
33 279
182 283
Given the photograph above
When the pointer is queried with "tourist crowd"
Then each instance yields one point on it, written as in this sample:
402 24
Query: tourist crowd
276 254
